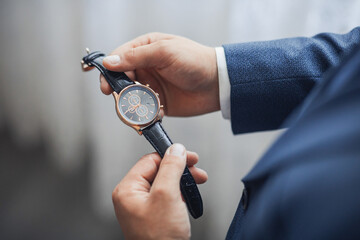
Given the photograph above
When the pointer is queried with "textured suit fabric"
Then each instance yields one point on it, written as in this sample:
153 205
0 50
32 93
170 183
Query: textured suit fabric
269 79
307 186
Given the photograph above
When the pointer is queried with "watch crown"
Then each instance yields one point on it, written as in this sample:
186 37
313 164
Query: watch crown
161 106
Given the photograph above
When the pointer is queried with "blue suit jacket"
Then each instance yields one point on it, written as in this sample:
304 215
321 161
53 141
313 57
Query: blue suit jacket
307 186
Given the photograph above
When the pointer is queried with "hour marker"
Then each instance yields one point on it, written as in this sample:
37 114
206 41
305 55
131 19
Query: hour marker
129 93
144 93
131 117
146 117
152 104
124 98
139 119
137 91
150 97
151 111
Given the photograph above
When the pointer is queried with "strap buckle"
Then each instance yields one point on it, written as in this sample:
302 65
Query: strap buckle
86 66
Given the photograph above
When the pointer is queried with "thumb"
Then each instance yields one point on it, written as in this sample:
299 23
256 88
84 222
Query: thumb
133 58
170 171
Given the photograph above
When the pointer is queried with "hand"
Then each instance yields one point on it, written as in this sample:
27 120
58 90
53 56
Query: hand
148 202
183 72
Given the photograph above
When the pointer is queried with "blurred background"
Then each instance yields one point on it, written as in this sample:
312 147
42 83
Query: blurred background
62 147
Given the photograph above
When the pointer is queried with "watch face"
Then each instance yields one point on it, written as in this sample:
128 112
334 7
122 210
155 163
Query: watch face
138 104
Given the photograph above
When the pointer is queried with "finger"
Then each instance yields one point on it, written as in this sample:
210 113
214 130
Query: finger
162 113
200 176
104 86
192 158
142 40
131 75
138 42
145 56
143 173
170 171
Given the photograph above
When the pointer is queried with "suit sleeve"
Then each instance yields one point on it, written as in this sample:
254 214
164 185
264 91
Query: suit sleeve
269 79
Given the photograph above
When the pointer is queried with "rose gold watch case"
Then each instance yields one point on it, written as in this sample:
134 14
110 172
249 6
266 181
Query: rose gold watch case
139 127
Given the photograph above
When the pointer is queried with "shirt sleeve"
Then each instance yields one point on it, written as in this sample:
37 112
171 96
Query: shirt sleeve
224 83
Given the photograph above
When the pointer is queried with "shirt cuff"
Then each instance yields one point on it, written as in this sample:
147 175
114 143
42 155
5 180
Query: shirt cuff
224 83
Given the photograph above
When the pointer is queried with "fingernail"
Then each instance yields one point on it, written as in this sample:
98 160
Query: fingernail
113 59
177 150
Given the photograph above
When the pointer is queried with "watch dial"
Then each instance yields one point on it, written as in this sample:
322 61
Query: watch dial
138 105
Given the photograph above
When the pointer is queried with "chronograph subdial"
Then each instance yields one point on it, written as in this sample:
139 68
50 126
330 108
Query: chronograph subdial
142 111
134 99
138 104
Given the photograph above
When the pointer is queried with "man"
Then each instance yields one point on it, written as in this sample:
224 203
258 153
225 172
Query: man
306 186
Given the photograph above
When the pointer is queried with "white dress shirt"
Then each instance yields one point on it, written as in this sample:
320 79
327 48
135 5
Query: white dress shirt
224 83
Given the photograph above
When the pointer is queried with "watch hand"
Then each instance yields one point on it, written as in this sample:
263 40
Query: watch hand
135 107
129 109
139 99
132 108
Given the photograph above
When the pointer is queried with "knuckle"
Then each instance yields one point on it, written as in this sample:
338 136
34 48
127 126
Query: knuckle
115 194
128 54
152 36
118 194
161 192
151 159
162 46
148 157
122 200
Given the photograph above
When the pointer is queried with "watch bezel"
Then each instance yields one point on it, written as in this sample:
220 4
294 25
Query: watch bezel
137 127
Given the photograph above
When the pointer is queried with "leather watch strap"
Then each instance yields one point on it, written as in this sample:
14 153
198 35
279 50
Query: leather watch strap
117 80
158 138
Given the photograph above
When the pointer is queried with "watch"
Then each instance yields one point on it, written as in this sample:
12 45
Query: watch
138 106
